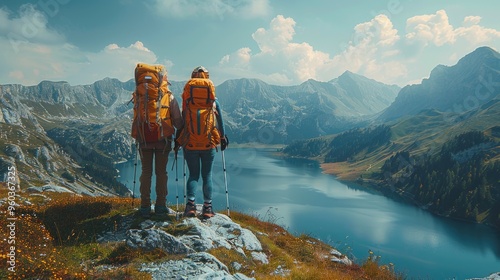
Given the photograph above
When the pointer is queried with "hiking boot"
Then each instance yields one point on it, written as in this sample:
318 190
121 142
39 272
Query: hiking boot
161 210
190 210
145 212
207 212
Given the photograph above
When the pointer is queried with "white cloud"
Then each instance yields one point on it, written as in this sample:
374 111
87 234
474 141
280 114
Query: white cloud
279 60
430 29
115 61
471 20
214 8
378 31
29 26
278 36
475 34
373 51
32 52
282 61
436 29
240 58
376 50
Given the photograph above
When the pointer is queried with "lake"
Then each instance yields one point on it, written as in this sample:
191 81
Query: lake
295 194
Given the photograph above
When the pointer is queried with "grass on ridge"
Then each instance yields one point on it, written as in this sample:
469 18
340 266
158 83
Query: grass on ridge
68 250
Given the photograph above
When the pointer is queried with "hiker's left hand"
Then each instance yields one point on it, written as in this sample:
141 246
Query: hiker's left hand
224 142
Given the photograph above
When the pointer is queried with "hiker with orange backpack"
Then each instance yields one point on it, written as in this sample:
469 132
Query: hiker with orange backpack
156 113
202 132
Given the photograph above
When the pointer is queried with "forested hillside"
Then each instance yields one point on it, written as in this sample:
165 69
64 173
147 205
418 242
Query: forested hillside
343 146
460 181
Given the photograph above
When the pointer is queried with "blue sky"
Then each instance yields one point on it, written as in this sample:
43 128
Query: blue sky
280 42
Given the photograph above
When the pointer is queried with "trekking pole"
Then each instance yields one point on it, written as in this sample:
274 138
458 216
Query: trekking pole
225 183
135 173
176 184
184 170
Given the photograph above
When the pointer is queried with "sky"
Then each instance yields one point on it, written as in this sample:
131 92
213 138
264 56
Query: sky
277 41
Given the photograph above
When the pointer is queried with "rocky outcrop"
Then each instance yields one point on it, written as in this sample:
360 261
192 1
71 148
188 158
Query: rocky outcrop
151 239
15 151
196 242
194 266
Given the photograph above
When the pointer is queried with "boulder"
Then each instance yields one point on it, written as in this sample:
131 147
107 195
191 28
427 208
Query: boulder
151 239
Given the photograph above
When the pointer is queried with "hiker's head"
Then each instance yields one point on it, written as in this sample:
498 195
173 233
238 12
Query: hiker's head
200 72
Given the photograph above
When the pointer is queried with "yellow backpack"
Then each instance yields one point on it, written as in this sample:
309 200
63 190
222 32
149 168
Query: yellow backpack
198 108
151 121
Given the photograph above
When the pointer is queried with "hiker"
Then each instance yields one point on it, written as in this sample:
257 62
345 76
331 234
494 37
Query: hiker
156 113
203 130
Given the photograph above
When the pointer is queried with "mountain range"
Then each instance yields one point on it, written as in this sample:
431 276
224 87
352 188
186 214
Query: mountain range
57 134
75 126
259 112
473 81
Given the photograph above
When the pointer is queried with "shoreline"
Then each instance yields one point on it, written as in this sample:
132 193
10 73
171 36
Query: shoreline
354 177
348 174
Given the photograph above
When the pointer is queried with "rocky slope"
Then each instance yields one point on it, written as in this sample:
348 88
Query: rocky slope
456 89
259 112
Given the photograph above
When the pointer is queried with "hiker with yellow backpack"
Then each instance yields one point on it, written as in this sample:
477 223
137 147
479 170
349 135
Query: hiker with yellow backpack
202 132
156 114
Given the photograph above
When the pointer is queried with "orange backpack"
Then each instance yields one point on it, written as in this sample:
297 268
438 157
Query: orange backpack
198 108
151 99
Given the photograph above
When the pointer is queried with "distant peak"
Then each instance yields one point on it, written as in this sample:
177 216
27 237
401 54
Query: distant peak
246 80
480 55
348 75
485 50
439 70
311 81
347 72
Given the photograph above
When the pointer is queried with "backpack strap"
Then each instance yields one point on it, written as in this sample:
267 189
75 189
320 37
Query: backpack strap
158 102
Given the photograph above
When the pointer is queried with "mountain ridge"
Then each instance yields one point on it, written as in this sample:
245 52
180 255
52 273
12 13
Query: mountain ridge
56 137
90 119
469 82
307 110
97 116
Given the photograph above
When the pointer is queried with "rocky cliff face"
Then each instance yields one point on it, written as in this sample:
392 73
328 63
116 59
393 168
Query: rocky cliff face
473 81
259 112
31 115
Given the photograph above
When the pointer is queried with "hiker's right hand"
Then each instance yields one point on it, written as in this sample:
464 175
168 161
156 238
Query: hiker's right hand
224 142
